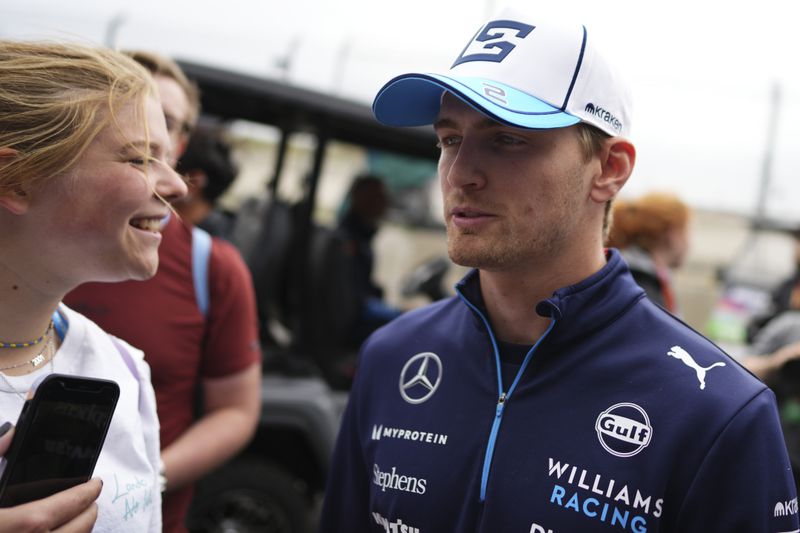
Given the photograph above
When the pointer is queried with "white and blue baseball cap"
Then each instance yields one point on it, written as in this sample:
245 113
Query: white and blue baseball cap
520 71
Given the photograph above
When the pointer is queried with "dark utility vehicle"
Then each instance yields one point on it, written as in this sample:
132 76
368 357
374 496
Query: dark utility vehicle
306 306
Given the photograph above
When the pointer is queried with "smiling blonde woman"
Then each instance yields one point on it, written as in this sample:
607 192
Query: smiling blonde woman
83 193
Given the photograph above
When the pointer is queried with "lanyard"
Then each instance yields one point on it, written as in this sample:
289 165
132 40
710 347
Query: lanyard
60 324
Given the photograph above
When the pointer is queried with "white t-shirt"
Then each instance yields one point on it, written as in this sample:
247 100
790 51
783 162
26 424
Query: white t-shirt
130 459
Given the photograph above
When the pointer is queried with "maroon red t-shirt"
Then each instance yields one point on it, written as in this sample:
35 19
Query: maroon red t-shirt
160 316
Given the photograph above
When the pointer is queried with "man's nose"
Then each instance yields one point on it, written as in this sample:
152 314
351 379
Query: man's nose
466 169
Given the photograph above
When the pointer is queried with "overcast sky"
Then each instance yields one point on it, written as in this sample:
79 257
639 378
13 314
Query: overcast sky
702 72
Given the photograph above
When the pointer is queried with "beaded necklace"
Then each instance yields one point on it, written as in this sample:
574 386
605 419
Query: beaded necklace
37 359
48 352
26 344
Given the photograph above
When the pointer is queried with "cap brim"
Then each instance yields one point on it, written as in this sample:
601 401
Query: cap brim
414 100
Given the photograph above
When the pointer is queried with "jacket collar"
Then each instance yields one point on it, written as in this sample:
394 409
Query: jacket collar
581 308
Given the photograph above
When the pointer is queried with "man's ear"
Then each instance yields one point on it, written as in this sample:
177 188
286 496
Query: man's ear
17 200
616 159
196 181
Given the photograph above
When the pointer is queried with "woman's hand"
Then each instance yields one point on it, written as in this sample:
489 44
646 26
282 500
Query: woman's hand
71 511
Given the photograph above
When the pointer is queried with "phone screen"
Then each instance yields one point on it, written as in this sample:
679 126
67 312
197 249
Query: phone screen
58 438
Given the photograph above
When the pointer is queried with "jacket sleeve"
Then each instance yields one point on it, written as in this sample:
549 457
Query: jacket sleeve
745 482
346 505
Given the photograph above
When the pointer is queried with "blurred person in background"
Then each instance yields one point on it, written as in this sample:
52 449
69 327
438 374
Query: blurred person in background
652 232
367 202
772 328
198 338
767 365
207 167
786 295
180 98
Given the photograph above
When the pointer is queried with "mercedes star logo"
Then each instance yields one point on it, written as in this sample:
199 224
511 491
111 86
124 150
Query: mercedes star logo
418 382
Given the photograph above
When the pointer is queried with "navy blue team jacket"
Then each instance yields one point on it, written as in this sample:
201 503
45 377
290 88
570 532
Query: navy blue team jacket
621 418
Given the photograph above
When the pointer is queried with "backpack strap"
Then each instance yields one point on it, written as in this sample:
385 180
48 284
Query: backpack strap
201 251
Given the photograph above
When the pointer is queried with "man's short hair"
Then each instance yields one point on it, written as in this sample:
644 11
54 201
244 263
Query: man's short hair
592 139
206 152
164 66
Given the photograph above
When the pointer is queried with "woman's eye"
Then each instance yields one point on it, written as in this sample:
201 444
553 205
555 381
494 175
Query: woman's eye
141 161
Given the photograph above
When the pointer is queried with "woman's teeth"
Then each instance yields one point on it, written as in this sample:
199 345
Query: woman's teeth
147 224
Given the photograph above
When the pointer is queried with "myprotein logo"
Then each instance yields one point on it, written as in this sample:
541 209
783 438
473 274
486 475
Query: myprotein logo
420 377
624 429
379 431
394 481
786 508
396 526
604 115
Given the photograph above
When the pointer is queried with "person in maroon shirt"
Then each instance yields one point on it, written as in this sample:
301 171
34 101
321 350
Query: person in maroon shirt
218 352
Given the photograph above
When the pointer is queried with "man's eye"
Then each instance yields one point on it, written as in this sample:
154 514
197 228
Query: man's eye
172 123
508 140
449 140
175 126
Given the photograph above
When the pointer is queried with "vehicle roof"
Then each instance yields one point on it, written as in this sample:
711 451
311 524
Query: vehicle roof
233 95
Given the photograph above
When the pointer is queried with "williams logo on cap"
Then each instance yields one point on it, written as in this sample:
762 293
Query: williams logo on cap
520 71
492 42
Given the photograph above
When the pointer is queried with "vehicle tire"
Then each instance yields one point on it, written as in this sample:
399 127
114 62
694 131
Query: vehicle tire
248 496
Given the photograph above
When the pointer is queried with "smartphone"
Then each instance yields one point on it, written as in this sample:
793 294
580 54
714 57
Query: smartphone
58 437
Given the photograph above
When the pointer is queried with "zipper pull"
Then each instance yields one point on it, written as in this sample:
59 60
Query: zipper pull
501 403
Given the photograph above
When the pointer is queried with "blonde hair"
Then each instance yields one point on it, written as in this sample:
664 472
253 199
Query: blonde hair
644 221
591 139
54 100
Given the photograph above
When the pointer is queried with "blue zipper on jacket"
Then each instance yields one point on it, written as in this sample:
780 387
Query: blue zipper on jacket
503 397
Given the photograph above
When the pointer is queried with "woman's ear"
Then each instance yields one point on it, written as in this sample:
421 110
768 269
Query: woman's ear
617 159
16 200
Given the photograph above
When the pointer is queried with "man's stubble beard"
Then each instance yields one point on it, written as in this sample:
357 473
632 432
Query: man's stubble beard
508 244
504 250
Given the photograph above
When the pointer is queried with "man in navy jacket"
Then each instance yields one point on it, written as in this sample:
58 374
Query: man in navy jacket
550 395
